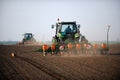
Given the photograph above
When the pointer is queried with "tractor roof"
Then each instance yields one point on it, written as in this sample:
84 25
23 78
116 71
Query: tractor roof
74 22
28 34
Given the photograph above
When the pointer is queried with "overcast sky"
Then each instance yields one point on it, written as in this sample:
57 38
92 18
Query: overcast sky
20 16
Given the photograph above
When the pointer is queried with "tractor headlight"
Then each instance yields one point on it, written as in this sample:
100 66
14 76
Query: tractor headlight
60 35
77 35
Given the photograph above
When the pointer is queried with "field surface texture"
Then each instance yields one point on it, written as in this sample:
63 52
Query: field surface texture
30 65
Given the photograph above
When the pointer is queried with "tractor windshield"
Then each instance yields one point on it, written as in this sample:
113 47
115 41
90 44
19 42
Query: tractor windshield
68 28
27 36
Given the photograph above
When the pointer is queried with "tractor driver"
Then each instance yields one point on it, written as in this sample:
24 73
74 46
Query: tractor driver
68 29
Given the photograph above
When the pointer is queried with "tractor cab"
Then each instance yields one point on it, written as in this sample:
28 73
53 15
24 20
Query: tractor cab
67 27
66 32
28 38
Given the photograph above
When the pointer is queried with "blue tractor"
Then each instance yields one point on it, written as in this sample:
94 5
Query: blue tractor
28 38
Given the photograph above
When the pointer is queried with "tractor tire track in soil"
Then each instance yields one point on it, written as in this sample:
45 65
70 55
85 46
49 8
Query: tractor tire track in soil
50 63
44 69
9 69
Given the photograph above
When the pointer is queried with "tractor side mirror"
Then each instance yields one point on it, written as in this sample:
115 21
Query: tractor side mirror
78 25
52 26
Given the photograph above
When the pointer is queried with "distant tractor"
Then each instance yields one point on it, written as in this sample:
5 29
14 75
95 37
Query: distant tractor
28 38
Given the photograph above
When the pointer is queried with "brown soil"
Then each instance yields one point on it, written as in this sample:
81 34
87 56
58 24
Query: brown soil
30 65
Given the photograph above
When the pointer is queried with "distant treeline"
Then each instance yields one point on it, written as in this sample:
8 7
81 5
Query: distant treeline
8 42
49 42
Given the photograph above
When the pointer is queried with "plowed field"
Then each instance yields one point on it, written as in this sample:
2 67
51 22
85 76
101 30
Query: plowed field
30 65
